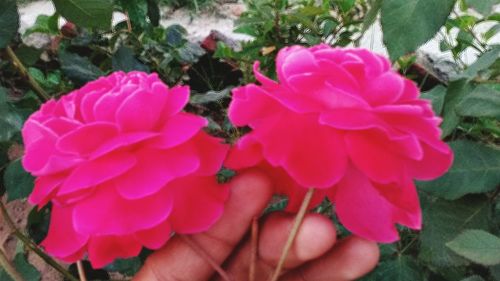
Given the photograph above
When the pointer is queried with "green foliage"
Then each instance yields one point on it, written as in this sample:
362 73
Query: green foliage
424 17
78 69
86 13
124 59
482 102
478 246
476 169
9 21
402 268
17 181
44 24
21 264
436 96
128 267
11 120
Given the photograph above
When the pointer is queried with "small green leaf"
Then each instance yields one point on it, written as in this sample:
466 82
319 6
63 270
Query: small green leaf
175 35
483 62
124 59
436 96
478 246
44 24
86 13
137 12
482 6
128 267
456 92
10 121
443 220
476 169
28 55
407 24
482 102
79 69
9 21
17 181
154 12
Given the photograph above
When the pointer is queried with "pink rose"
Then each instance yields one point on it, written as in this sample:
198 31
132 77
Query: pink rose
123 167
343 122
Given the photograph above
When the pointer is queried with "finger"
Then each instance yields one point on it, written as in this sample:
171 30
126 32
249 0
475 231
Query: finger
315 237
350 259
250 193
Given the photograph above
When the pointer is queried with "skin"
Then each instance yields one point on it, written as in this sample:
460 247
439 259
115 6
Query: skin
315 256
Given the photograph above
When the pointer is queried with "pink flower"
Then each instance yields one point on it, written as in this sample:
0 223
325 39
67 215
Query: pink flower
123 167
343 122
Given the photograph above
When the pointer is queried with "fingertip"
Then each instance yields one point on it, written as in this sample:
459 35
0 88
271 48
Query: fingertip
365 252
252 184
315 237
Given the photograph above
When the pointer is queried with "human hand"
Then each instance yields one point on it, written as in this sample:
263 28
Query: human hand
316 255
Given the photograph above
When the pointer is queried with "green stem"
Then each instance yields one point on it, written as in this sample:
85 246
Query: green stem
22 70
9 268
32 246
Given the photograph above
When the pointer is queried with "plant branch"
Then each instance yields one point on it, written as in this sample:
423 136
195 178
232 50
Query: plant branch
22 70
81 271
9 268
32 246
293 233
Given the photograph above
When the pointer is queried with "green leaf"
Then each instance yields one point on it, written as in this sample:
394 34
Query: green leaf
190 52
44 24
478 246
402 268
473 278
79 69
436 96
11 121
483 62
443 220
124 60
476 169
372 14
86 13
457 91
407 24
137 12
27 271
175 35
17 181
482 102
482 6
128 267
9 21
28 55
495 272
154 12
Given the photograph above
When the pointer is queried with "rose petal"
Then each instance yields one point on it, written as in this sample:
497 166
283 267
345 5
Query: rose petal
104 249
155 237
85 139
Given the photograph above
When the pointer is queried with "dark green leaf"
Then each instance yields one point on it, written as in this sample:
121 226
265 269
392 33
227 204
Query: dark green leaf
124 60
17 181
476 169
403 268
478 246
407 24
137 12
86 13
457 90
495 272
436 96
9 21
190 52
483 62
79 69
27 271
128 267
482 102
10 121
473 278
28 55
38 223
443 220
154 12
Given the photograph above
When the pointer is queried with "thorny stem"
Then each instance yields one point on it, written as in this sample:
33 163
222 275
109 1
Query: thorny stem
9 268
22 70
188 240
32 246
81 271
253 249
293 233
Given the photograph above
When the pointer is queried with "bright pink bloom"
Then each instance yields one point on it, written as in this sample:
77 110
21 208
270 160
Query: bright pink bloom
123 167
342 121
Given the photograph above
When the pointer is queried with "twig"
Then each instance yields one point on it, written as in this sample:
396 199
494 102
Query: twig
253 249
22 70
129 23
206 257
32 246
81 271
9 268
293 233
